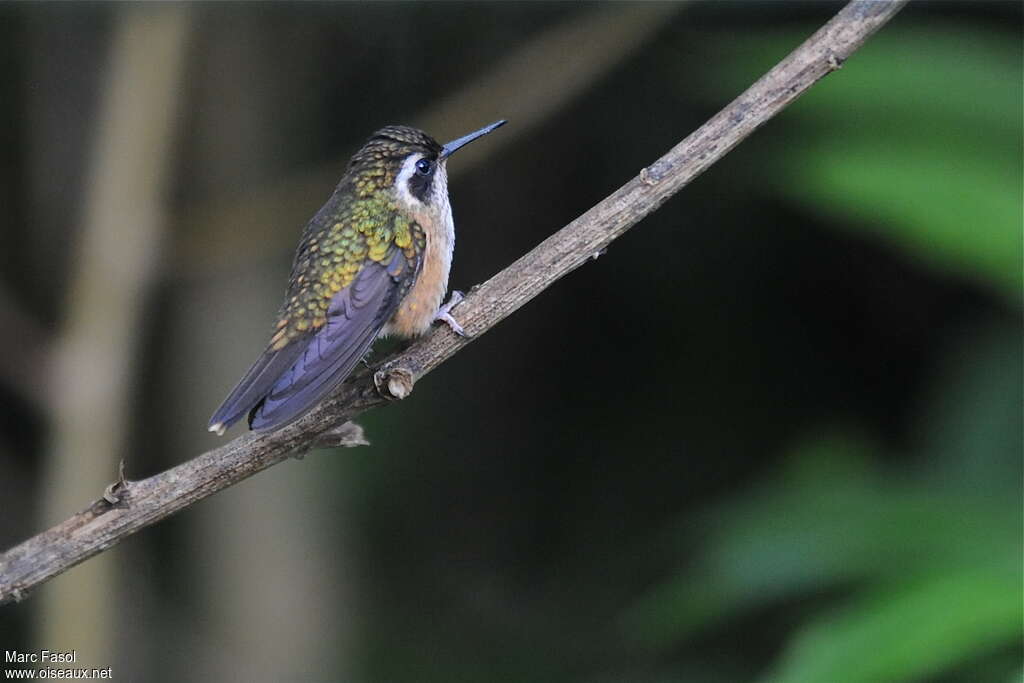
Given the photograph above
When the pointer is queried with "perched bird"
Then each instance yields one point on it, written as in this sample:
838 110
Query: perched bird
373 261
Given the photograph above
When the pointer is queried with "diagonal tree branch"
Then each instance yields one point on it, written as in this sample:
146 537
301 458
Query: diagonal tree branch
129 506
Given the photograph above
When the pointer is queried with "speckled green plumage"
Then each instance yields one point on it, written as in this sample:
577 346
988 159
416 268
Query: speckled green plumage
359 224
334 246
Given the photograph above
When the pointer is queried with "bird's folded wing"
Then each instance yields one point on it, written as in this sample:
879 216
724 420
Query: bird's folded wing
283 384
251 389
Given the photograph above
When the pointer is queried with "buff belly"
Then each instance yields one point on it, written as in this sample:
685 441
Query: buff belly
418 309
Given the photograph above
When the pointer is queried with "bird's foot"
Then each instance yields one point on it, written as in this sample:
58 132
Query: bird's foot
445 316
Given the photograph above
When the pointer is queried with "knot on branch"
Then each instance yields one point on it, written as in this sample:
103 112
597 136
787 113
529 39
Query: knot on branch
115 495
394 384
345 435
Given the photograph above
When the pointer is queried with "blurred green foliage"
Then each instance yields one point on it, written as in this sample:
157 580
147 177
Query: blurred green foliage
911 561
917 141
927 568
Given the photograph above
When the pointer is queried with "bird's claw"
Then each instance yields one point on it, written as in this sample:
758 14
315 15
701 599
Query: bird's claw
445 316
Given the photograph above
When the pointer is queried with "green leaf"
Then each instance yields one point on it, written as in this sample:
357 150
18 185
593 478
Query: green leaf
918 629
957 213
910 80
916 141
830 520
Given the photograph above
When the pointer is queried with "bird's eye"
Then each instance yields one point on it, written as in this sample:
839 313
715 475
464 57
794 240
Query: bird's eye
423 166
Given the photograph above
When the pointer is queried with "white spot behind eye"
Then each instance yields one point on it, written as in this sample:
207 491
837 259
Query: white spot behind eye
437 198
402 183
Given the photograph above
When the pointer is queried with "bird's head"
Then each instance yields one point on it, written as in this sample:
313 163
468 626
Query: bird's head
409 161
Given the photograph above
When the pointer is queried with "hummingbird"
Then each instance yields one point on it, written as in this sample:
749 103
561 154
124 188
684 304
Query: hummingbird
373 261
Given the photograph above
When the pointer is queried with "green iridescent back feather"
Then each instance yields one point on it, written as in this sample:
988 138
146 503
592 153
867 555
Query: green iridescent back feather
360 223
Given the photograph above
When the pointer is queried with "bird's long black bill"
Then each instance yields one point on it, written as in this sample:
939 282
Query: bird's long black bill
450 147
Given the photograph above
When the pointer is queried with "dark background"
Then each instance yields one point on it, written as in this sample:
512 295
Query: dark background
773 434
